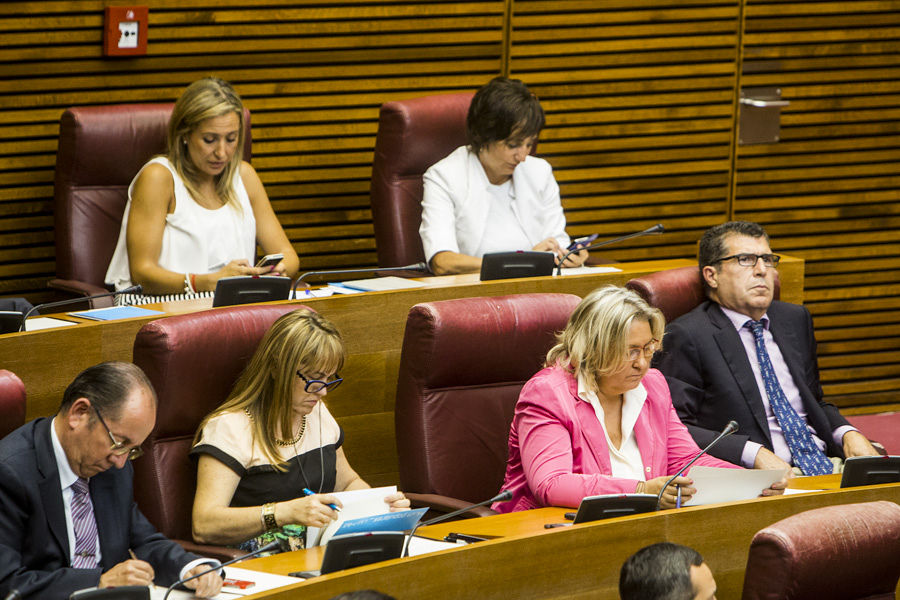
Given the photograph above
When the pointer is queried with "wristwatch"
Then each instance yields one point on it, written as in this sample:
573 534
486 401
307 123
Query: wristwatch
268 516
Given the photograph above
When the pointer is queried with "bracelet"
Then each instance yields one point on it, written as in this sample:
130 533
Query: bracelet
268 517
189 284
194 282
639 489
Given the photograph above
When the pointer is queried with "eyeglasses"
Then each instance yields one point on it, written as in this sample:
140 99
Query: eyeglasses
749 260
119 448
317 385
648 350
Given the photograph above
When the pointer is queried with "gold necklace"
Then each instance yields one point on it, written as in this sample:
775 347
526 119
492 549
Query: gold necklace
285 443
293 442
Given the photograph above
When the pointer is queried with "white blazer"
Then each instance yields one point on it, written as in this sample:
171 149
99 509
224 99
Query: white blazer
455 204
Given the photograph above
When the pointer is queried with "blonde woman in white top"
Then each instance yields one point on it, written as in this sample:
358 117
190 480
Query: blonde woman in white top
197 214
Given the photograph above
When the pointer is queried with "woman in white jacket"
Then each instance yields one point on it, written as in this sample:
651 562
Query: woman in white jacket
492 195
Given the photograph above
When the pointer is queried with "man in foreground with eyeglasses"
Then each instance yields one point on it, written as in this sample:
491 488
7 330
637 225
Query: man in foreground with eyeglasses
67 517
742 355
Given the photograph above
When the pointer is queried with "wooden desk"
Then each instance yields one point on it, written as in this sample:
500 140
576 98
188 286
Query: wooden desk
372 325
581 561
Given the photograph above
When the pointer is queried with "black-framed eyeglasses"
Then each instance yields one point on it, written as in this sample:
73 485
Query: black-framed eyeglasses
119 448
317 385
749 260
648 350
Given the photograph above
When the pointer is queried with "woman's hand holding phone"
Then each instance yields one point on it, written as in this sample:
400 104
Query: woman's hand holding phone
271 261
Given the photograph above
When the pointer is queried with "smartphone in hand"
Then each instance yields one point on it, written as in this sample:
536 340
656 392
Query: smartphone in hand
270 260
582 242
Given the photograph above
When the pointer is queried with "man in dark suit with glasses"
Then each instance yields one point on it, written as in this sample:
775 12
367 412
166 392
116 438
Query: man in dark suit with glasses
67 517
742 355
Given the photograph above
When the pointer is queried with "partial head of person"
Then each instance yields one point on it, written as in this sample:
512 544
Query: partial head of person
666 571
502 126
296 364
206 135
609 340
106 413
738 267
363 595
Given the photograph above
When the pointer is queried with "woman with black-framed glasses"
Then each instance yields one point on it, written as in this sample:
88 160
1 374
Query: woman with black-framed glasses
274 441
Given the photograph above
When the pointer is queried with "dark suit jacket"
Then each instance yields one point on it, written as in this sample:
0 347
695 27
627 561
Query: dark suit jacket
711 380
34 548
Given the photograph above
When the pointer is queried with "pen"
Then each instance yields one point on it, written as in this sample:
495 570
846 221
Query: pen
309 492
133 555
678 497
462 537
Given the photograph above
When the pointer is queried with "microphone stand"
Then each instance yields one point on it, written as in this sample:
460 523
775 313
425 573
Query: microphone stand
268 547
729 429
414 267
503 496
655 230
135 289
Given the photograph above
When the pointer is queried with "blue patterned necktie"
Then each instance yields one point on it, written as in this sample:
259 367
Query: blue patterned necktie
85 526
803 448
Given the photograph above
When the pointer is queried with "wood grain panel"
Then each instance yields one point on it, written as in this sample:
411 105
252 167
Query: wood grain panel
639 99
313 75
828 191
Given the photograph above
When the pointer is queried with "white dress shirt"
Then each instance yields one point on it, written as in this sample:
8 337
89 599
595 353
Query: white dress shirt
625 460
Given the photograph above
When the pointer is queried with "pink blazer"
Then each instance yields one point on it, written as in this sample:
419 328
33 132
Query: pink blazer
558 452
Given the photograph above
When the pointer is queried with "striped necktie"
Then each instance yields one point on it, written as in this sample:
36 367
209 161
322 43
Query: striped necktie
803 448
85 526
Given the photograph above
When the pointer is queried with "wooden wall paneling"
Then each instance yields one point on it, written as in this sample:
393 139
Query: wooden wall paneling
828 190
313 75
639 98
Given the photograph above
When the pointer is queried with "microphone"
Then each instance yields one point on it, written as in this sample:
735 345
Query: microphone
503 496
729 429
135 289
419 266
267 548
655 230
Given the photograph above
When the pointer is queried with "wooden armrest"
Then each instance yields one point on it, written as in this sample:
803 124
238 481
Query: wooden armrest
446 504
222 553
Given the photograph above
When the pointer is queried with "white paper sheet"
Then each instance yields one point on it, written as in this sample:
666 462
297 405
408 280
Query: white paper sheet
791 491
420 545
262 582
38 323
356 504
317 293
380 284
716 484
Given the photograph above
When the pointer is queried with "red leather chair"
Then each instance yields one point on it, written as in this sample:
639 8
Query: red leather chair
849 551
192 361
101 149
462 365
676 291
885 427
412 135
12 402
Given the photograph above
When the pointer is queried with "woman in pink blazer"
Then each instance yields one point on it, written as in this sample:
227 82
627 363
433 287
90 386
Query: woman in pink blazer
597 419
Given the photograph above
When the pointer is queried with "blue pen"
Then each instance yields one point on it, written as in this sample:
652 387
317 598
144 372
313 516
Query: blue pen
678 497
309 492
